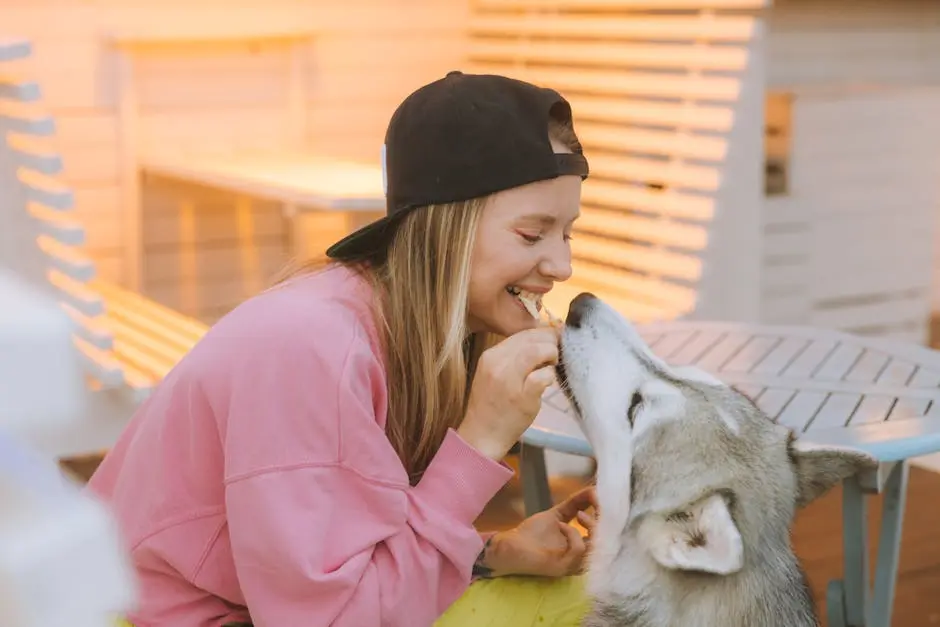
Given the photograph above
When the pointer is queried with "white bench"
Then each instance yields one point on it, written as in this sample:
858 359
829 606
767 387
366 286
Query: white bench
127 343
879 395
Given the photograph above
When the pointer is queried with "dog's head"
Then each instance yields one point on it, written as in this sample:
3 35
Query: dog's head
709 475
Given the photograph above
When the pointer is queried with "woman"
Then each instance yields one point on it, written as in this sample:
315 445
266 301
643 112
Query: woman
320 456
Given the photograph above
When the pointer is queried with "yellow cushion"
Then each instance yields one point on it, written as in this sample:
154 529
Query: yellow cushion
513 602
519 602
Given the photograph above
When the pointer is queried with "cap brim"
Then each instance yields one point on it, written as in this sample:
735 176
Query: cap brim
372 238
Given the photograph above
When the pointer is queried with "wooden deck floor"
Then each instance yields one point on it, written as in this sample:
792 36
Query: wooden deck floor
818 541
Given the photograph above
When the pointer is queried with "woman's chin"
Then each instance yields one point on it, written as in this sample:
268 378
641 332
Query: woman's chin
510 325
507 319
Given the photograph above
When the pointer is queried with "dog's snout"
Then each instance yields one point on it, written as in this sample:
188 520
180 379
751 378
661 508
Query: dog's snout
578 308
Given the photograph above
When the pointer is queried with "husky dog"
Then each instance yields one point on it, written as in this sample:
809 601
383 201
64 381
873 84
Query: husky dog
697 487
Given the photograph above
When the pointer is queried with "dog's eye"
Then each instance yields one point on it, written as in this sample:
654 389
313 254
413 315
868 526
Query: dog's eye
635 403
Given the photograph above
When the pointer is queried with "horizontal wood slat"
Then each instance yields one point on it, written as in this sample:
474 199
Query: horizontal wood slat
616 26
91 329
58 225
42 126
187 330
46 190
101 365
657 262
644 170
666 143
14 49
167 33
608 54
67 259
43 163
653 229
142 349
674 204
11 89
622 83
655 292
557 301
613 109
76 294
634 5
34 153
149 338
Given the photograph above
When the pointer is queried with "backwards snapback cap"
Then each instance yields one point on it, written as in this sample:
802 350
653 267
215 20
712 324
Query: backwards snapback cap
463 136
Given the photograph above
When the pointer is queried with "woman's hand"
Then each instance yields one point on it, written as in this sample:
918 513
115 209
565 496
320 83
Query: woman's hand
545 544
506 392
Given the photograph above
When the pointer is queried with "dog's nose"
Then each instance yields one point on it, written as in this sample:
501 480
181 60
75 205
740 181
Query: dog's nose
577 309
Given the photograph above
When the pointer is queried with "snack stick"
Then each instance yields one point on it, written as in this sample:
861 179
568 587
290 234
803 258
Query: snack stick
530 306
553 320
533 310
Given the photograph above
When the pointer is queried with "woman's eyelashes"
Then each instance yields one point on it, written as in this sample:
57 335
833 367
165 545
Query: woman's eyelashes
534 239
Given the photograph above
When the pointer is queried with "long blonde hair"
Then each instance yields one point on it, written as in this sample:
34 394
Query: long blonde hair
421 287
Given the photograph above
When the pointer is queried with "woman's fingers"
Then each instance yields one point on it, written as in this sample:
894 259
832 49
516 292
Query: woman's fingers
587 521
571 561
577 502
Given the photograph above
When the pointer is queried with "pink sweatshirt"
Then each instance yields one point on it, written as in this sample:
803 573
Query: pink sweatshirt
259 475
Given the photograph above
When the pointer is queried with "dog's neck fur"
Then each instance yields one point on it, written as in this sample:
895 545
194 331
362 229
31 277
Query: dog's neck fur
630 589
647 595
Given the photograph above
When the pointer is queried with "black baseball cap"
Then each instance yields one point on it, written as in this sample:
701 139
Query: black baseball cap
461 137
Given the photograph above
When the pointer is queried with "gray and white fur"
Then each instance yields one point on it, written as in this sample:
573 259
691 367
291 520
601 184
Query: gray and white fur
697 487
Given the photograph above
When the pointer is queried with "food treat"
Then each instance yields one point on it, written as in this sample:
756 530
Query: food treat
533 305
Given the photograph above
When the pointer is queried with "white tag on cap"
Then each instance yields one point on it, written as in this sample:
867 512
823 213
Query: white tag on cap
384 173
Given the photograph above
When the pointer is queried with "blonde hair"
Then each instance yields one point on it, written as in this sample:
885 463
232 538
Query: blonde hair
425 284
421 304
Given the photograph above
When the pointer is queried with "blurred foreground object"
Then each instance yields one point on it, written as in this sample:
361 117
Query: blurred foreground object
61 561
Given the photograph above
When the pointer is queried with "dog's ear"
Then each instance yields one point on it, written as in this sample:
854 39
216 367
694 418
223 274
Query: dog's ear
820 467
701 537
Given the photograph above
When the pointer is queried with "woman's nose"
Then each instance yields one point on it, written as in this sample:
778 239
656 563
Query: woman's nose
557 265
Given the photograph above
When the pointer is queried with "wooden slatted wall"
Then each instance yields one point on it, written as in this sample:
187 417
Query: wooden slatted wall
668 102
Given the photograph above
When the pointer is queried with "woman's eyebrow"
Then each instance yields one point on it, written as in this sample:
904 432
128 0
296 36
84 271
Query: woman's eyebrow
546 219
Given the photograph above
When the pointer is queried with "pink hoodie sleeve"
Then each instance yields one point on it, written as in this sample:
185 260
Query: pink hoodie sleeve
324 528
